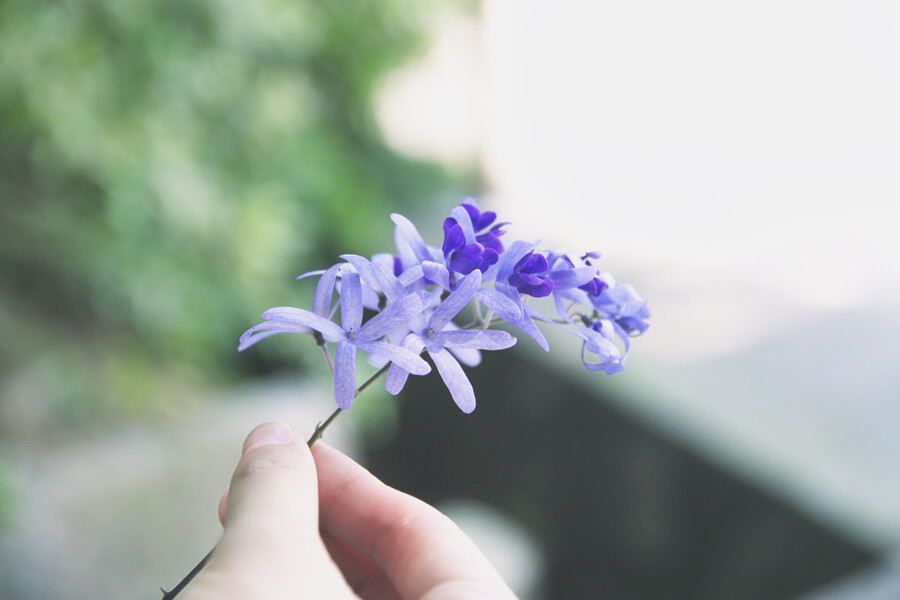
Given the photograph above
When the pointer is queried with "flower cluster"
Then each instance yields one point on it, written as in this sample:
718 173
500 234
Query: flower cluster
415 294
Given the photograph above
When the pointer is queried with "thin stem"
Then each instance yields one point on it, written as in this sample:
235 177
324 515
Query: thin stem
328 358
322 426
183 583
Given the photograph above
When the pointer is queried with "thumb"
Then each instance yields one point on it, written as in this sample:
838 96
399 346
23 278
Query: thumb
271 547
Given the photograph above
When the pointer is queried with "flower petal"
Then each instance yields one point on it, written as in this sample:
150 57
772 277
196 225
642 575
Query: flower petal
400 356
391 287
455 379
284 316
397 375
393 316
479 339
311 274
437 273
455 302
408 233
325 291
464 219
569 278
263 330
345 374
502 306
364 268
351 301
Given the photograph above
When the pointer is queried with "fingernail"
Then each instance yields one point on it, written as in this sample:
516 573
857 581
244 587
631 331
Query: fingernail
269 434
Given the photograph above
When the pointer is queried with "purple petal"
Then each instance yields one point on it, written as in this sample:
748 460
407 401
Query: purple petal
395 380
325 291
569 278
344 374
455 302
466 223
388 282
455 379
454 238
532 263
408 233
364 268
502 306
397 375
311 274
393 316
403 358
285 316
479 339
411 276
351 301
263 330
528 326
437 273
467 356
467 259
513 255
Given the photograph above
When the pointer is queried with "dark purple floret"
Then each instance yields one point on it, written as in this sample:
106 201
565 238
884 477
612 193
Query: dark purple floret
480 220
530 276
461 257
594 287
483 220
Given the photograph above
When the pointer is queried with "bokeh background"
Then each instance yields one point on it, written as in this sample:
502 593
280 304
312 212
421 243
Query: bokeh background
168 168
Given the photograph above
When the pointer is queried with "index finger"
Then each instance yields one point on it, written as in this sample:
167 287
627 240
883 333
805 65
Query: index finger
422 552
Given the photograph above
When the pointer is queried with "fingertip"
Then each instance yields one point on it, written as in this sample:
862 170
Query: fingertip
268 434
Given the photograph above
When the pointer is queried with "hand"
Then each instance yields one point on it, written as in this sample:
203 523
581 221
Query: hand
314 524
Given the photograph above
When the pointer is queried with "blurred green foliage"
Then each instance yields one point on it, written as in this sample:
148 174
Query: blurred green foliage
167 167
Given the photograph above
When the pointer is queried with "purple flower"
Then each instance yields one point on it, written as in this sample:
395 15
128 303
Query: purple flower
480 222
623 304
437 340
509 266
321 307
351 335
599 342
531 276
461 256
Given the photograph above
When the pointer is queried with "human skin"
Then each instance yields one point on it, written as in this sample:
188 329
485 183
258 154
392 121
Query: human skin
301 523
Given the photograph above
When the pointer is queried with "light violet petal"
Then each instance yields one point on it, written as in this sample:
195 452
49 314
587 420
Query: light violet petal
408 233
392 317
465 222
513 255
455 379
388 282
528 326
396 379
467 356
286 315
411 275
481 339
397 375
569 278
344 374
325 291
437 273
501 305
260 332
351 301
455 302
311 274
405 359
366 272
